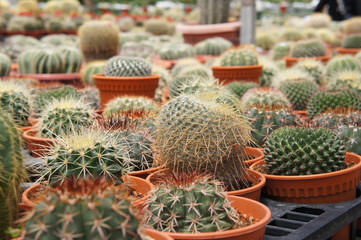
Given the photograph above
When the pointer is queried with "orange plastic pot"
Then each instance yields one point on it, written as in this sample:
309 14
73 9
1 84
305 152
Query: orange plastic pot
51 77
253 232
168 64
111 87
238 73
204 58
33 121
323 188
37 146
290 61
157 234
303 114
351 51
256 153
145 173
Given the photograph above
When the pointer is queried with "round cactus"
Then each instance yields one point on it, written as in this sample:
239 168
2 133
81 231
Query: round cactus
127 67
239 57
5 65
308 48
190 84
156 26
280 50
126 24
353 41
182 64
142 49
304 151
212 46
291 34
263 96
352 26
72 59
176 51
91 96
269 71
290 74
341 63
239 88
346 79
95 67
265 41
314 69
129 103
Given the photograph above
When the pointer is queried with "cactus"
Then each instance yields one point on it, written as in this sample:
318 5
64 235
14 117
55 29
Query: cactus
129 103
176 51
99 40
352 26
188 84
341 63
191 205
12 172
72 58
84 209
213 137
308 48
182 64
212 46
15 99
62 115
263 96
142 49
156 26
58 39
304 151
269 71
22 23
96 67
348 79
40 61
265 41
280 50
265 120
291 34
239 88
290 74
319 20
55 24
212 12
195 70
91 96
127 67
324 101
299 92
314 69
353 41
126 24
5 65
239 57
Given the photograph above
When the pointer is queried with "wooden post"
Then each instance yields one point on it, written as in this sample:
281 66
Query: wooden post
248 22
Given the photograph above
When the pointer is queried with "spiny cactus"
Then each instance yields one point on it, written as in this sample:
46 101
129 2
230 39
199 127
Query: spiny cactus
142 49
290 74
352 26
127 67
280 50
190 84
99 40
62 115
176 51
239 57
263 96
213 136
348 79
91 96
299 92
340 63
269 71
126 24
353 41
319 20
12 172
304 151
129 103
5 65
95 67
291 34
182 64
15 99
265 41
212 46
84 209
191 205
308 48
314 69
55 24
195 70
156 26
332 99
72 59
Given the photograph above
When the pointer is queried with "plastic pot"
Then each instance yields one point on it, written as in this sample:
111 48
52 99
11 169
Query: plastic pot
351 51
38 146
238 73
290 61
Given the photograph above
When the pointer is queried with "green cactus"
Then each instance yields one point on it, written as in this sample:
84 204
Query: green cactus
351 135
290 74
5 65
72 59
55 24
182 64
15 99
12 172
239 88
195 70
353 41
304 151
291 34
85 209
99 40
212 46
176 51
265 41
314 69
346 79
308 48
341 63
127 67
299 92
95 67
280 50
265 120
191 206
263 96
239 57
91 96
141 49
156 26
62 115
188 84
324 101
129 103
213 137
269 71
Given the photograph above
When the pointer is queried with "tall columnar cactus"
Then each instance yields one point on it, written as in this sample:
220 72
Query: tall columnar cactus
212 11
85 209
156 26
38 61
72 59
264 97
212 46
348 79
353 41
85 153
63 115
99 40
239 57
176 51
12 172
239 88
191 205
15 99
280 50
324 101
299 92
341 63
5 65
127 67
213 137
304 151
308 48
96 67
129 103
314 68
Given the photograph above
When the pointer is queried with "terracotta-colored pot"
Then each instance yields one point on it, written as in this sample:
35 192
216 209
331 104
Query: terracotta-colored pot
111 87
351 51
290 61
51 78
14 67
157 234
168 64
145 173
253 232
331 187
38 146
256 153
33 121
238 73
303 114
204 58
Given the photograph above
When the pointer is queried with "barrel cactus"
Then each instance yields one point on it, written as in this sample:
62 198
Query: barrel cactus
263 96
190 84
353 41
341 63
175 51
239 88
5 65
314 68
239 57
280 50
304 151
308 48
291 34
182 64
91 96
129 103
290 74
127 67
72 59
156 26
95 67
126 24
269 71
345 79
212 46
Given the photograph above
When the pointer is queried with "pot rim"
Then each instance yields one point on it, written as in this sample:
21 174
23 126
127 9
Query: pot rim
102 77
237 67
